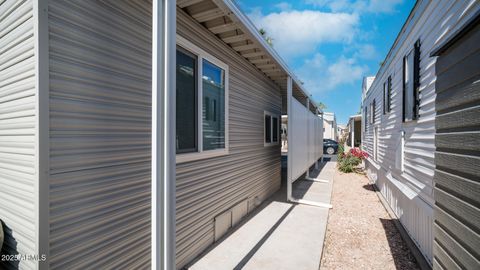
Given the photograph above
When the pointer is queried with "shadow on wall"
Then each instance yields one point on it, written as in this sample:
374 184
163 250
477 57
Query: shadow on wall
402 256
9 247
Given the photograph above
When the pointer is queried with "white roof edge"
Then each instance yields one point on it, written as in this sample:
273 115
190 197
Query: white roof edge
254 31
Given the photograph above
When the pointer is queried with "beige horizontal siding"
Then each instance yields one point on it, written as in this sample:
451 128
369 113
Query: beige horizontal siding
100 107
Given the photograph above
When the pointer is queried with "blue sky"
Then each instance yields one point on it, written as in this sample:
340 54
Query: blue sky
331 44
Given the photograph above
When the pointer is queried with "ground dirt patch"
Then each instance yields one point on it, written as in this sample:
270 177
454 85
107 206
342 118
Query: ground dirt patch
360 233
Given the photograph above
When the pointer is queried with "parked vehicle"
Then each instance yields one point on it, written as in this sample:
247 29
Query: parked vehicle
330 146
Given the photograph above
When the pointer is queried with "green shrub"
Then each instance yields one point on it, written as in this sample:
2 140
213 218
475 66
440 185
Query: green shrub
348 163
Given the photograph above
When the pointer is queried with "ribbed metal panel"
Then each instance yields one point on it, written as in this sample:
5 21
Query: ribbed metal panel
410 193
206 188
17 131
100 106
457 186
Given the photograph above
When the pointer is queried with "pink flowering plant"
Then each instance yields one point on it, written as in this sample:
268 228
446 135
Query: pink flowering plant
348 162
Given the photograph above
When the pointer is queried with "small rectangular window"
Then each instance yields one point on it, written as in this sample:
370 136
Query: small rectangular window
365 111
274 129
411 84
384 98
389 94
271 128
374 109
268 129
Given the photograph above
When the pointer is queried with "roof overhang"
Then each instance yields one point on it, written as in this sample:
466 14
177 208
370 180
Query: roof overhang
225 20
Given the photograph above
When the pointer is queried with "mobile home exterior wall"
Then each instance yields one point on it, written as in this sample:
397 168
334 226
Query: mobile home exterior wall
18 133
100 133
329 126
402 161
94 202
250 172
457 156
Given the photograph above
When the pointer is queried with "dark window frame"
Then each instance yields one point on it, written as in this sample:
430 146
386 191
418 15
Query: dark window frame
365 118
384 98
389 94
415 83
374 105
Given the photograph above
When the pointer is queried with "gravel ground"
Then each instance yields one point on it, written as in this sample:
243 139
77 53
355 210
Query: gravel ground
360 233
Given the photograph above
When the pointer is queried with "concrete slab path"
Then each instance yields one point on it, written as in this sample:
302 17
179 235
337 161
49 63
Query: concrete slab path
279 235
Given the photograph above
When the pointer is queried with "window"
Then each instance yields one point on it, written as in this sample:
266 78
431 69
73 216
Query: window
213 81
201 105
372 112
389 94
268 128
186 108
384 97
271 128
411 84
365 117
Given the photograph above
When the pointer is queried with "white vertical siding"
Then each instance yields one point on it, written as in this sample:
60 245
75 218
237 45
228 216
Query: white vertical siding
306 138
100 109
410 193
17 131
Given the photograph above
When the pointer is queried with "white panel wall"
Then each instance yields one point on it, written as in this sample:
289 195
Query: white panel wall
17 132
410 192
305 138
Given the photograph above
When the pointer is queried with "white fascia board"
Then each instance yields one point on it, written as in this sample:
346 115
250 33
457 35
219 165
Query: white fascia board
253 31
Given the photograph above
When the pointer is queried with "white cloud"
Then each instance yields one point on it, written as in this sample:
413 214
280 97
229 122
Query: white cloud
284 6
298 33
345 71
357 6
319 75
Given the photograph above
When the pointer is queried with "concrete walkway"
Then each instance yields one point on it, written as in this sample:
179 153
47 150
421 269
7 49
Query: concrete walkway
278 235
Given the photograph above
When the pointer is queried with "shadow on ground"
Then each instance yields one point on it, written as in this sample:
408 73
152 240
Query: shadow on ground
369 187
402 256
271 227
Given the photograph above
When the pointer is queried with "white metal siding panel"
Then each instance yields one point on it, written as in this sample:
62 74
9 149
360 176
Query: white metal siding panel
306 140
208 187
17 131
100 109
434 22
